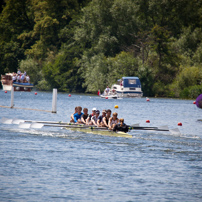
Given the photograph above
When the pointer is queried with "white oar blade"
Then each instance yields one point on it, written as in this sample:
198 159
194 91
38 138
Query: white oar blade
36 125
175 131
6 121
17 121
163 128
24 125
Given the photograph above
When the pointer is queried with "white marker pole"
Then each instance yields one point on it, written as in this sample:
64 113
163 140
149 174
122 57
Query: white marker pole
12 97
54 101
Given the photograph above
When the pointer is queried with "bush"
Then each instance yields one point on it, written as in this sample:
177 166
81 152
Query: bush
191 92
43 85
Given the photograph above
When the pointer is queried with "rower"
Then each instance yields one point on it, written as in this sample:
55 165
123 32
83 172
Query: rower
100 118
113 121
72 116
88 120
106 118
95 118
77 116
84 116
121 126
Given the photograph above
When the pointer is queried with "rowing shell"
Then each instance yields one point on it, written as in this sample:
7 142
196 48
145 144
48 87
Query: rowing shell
101 132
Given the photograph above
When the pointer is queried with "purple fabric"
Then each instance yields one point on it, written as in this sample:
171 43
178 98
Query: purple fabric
199 101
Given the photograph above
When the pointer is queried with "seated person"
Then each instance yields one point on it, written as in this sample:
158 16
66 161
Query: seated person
100 119
121 126
89 119
105 119
95 118
113 121
77 116
84 116
72 116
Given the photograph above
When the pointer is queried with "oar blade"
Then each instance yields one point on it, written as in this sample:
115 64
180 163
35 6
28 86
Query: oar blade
6 121
24 125
36 125
175 131
163 128
17 121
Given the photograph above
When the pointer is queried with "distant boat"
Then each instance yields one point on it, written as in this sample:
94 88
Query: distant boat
109 96
128 87
7 83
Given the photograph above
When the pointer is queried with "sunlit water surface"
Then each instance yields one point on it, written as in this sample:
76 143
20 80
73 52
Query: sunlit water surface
53 164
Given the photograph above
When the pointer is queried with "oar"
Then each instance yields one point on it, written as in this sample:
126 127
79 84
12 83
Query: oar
18 121
40 125
161 128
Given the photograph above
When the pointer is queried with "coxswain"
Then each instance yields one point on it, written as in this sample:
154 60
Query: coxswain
100 118
95 118
121 126
106 118
113 121
77 116
84 116
89 119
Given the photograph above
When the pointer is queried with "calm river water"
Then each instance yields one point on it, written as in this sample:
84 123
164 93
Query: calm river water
52 164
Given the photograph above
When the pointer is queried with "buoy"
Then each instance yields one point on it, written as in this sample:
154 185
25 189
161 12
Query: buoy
35 93
194 102
6 91
116 106
106 97
179 124
147 99
147 121
70 95
199 101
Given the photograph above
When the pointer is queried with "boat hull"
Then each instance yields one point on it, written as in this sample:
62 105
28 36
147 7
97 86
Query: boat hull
129 94
109 96
7 87
22 86
101 132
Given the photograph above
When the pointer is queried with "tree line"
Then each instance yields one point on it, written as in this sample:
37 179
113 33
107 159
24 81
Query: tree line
84 45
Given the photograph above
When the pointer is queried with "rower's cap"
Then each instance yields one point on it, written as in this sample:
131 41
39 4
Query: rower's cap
97 112
94 109
104 111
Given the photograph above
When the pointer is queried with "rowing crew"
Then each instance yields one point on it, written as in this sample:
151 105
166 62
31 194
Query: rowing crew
104 120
